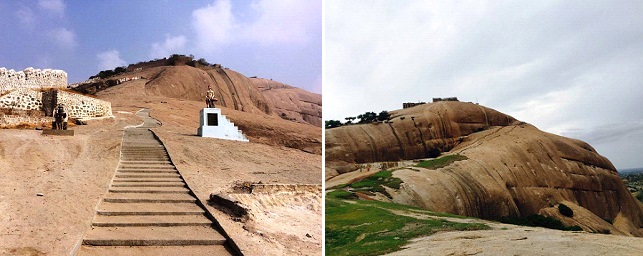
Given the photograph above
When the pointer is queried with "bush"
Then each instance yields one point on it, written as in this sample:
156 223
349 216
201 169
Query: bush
565 210
332 124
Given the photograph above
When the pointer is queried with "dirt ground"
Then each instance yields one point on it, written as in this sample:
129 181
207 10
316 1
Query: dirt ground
73 174
279 152
506 239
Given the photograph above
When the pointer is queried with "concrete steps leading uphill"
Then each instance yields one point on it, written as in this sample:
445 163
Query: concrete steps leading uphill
149 209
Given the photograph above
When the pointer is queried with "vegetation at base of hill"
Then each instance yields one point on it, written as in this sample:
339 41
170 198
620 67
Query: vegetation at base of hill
359 227
535 220
377 182
366 118
441 162
634 183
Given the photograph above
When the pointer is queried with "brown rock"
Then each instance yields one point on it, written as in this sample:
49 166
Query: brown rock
513 169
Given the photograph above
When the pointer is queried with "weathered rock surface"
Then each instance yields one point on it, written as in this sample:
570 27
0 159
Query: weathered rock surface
513 169
291 103
234 90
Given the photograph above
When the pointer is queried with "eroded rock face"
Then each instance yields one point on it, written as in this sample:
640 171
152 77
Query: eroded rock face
290 102
513 169
413 133
233 90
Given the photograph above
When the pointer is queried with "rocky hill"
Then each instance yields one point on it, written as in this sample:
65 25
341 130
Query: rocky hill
181 77
290 102
505 168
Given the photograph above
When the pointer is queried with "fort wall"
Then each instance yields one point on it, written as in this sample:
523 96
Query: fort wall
32 79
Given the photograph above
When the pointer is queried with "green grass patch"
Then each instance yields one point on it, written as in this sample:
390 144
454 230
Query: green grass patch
377 182
341 194
370 228
440 162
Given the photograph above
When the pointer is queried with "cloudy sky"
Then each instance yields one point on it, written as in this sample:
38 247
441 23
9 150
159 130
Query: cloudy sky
573 68
278 39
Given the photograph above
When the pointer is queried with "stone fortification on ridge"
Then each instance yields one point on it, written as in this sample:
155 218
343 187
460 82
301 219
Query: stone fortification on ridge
32 79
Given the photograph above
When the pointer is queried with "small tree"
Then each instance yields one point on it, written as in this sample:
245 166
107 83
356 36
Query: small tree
349 120
332 124
367 117
383 116
119 70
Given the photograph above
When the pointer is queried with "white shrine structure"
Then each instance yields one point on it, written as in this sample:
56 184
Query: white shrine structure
216 125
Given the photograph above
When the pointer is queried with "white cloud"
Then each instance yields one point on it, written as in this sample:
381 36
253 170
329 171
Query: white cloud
65 38
214 25
171 45
110 60
276 22
284 21
26 17
54 6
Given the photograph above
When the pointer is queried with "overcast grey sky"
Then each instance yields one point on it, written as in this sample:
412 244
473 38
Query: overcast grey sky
573 68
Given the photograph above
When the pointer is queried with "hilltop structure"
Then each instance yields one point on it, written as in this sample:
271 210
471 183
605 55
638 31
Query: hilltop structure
30 96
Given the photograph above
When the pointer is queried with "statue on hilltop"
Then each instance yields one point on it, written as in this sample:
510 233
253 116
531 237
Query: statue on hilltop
209 98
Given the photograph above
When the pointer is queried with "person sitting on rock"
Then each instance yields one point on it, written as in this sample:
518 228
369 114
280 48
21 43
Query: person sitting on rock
209 98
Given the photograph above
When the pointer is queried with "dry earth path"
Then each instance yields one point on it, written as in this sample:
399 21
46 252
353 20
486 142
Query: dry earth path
149 209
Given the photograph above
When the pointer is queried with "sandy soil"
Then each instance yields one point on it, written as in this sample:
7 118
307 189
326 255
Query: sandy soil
279 151
72 173
507 239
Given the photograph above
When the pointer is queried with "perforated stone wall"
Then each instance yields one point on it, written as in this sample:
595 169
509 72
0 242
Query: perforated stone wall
31 78
77 105
83 107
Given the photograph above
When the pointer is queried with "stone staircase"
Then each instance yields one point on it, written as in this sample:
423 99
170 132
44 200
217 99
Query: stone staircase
149 209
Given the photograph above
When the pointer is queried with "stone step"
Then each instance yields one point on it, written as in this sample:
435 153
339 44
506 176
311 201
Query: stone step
158 190
147 171
131 166
148 198
151 236
152 175
155 180
148 184
150 220
196 250
115 209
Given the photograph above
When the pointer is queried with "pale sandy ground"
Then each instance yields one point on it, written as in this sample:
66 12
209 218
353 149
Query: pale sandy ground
517 240
275 227
72 173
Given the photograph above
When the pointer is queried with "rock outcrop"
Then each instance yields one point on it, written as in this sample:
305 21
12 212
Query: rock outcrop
290 102
234 90
512 168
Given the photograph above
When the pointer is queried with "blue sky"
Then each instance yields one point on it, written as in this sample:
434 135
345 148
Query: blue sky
267 38
572 68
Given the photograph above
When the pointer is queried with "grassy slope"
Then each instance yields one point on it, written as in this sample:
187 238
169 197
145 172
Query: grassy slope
358 227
